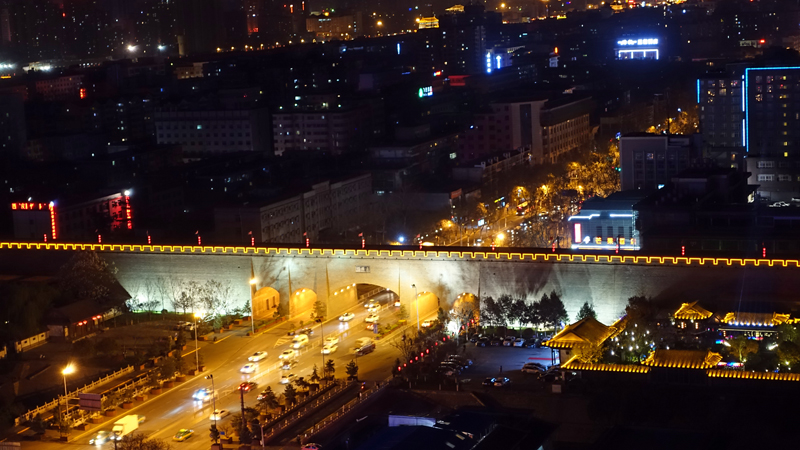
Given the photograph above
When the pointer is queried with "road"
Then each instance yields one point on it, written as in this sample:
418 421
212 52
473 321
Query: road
175 408
509 222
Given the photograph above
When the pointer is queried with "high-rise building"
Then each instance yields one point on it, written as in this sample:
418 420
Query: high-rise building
199 25
649 161
750 120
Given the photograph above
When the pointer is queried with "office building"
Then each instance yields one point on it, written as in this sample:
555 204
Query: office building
649 161
326 207
607 223
208 132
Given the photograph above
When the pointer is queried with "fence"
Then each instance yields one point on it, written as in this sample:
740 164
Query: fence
52 404
324 423
301 410
31 342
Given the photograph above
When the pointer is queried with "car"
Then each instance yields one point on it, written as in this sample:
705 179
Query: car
327 349
286 379
300 341
307 331
397 303
288 354
248 368
778 205
247 386
534 368
182 435
372 318
448 371
501 381
496 342
331 340
508 341
519 342
346 317
453 365
257 356
219 414
370 303
488 381
428 323
460 359
203 395
482 342
311 446
474 338
101 438
288 364
371 326
375 307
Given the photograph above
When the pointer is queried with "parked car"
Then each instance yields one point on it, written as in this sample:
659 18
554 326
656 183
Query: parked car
519 342
453 364
346 317
496 342
474 338
533 368
448 371
257 356
311 446
501 381
482 342
508 341
488 382
182 435
463 360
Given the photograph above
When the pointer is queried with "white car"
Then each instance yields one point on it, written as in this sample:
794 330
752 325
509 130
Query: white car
288 354
346 317
286 379
372 318
370 303
331 340
257 356
375 307
219 414
248 368
329 348
427 323
533 368
397 303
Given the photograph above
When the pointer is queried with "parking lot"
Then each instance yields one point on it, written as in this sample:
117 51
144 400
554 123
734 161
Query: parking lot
488 362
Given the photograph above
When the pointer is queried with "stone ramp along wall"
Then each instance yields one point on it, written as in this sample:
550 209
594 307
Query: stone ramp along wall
298 277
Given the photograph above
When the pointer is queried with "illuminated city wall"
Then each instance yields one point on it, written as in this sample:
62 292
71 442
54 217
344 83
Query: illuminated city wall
607 280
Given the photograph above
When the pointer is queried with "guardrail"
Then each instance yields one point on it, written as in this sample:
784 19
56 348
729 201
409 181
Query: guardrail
30 414
324 423
301 410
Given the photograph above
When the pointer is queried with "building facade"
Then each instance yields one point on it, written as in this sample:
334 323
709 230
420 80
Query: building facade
649 161
326 206
216 131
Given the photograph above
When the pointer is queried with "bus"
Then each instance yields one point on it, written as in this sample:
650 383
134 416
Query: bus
522 208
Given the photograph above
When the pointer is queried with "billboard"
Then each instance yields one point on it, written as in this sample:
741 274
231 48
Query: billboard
90 402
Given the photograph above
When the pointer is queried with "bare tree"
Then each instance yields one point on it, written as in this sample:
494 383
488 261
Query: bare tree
406 346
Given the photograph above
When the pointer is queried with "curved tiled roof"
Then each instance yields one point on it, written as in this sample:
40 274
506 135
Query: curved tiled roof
756 319
691 311
575 364
718 373
683 359
585 332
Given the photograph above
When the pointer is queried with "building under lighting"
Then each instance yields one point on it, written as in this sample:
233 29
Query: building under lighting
628 48
607 223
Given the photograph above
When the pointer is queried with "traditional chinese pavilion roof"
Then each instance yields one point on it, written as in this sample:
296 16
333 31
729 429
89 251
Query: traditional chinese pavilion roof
683 359
575 364
691 311
784 376
585 332
757 319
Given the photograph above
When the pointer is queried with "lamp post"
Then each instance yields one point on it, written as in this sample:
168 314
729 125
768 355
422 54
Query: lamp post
253 282
416 302
68 370
196 346
214 403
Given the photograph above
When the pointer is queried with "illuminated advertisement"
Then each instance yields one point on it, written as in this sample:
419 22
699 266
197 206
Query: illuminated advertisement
639 48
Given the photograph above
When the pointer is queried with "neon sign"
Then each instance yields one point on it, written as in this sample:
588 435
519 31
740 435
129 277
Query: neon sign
30 206
426 91
626 42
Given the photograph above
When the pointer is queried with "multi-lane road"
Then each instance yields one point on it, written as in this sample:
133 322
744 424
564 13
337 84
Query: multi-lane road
175 408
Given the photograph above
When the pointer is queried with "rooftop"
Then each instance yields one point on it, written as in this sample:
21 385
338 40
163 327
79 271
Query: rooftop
692 311
757 319
683 359
585 332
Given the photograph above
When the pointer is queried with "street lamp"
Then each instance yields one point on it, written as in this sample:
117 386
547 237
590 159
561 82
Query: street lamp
68 370
214 403
196 346
416 302
253 282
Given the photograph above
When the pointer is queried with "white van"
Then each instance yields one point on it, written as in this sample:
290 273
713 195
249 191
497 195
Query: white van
299 341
